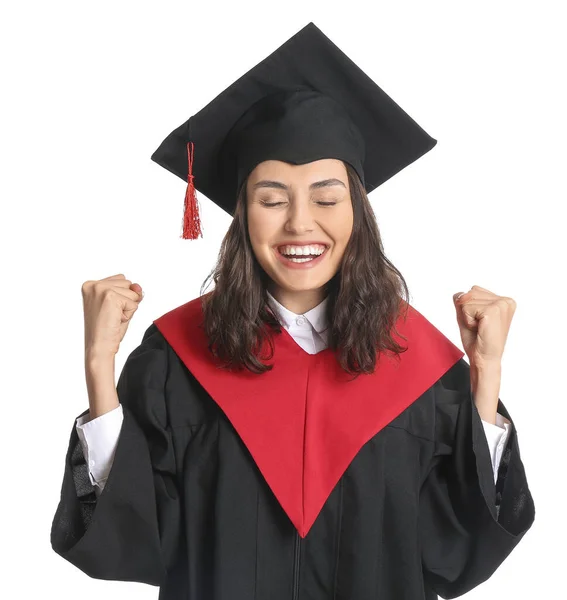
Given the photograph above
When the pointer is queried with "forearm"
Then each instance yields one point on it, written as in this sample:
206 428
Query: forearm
485 383
99 373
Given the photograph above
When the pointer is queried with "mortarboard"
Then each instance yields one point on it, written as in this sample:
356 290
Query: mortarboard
304 102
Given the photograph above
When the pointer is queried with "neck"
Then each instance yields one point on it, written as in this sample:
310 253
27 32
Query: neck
298 302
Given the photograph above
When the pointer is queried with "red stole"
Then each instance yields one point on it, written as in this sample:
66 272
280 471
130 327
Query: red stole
304 421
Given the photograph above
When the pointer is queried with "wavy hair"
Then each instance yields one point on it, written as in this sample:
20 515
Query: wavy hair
366 296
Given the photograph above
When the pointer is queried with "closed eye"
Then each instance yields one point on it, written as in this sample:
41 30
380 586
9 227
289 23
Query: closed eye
319 202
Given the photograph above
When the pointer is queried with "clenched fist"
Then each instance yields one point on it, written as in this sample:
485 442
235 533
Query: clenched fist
109 304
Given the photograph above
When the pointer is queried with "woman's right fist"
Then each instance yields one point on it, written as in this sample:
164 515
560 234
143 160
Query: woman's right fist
108 305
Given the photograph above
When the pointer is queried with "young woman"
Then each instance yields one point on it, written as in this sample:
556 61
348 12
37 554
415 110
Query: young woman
300 431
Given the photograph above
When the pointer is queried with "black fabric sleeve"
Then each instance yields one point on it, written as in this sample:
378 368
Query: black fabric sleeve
132 531
468 524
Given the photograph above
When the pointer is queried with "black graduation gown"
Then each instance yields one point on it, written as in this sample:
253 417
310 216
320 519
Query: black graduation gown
192 506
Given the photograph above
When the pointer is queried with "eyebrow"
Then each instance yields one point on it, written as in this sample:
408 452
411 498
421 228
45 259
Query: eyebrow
267 183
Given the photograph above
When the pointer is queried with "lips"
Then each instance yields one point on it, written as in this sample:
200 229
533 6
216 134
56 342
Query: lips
300 261
313 249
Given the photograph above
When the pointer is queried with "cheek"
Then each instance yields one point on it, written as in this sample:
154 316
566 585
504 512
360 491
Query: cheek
347 222
260 231
254 226
339 227
262 225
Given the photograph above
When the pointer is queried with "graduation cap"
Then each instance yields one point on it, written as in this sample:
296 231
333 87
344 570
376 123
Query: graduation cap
306 101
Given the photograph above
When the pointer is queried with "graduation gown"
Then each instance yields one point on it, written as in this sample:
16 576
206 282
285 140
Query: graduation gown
301 483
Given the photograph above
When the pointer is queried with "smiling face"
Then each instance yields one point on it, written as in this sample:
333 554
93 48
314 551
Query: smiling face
300 219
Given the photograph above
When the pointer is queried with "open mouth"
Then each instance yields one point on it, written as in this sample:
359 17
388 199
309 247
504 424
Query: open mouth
302 254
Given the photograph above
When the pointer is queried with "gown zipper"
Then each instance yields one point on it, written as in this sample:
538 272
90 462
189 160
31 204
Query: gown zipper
296 557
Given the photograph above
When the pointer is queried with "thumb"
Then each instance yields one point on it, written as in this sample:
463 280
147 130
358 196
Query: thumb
136 287
461 317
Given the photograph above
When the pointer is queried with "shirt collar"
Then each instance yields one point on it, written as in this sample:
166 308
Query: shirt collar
316 316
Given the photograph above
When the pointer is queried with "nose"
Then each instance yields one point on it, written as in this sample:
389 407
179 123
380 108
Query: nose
300 219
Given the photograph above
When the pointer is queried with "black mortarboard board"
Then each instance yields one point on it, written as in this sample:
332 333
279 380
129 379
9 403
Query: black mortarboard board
304 102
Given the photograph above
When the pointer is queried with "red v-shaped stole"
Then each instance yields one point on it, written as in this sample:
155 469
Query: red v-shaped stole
304 421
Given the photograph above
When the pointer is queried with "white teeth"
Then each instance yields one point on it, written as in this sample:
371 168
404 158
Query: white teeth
302 250
296 253
300 260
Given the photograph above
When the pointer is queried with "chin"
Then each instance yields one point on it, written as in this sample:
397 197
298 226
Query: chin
291 284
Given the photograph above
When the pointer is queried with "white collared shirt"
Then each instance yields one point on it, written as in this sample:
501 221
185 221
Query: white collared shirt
308 330
99 437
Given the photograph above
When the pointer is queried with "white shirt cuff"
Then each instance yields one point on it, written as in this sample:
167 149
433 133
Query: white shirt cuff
496 436
99 438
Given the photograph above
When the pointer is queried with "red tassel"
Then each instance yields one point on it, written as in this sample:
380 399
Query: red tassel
191 219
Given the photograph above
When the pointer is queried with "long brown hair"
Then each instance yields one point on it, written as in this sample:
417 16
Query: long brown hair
366 296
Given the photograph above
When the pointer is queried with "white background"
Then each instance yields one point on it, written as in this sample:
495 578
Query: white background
89 92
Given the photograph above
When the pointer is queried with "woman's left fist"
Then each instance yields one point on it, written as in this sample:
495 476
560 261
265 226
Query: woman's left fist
484 321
